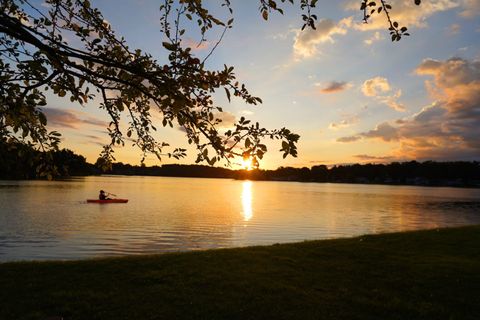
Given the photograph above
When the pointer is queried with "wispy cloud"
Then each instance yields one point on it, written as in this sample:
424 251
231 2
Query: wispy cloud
454 29
374 38
247 112
97 140
366 157
319 161
195 45
470 8
69 118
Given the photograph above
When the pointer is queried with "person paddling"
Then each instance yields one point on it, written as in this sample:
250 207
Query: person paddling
103 196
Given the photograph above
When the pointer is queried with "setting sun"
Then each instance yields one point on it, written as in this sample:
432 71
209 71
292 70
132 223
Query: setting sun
247 164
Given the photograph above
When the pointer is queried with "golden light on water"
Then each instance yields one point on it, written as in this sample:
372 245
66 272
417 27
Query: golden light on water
247 200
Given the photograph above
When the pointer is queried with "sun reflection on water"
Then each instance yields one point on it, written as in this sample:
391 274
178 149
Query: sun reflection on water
247 200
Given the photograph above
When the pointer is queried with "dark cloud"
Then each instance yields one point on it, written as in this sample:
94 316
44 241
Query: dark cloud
335 86
349 139
383 131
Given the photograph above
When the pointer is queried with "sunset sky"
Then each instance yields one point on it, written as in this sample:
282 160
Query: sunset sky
351 94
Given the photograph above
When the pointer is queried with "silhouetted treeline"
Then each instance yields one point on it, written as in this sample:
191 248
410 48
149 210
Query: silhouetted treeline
427 173
21 161
172 170
412 173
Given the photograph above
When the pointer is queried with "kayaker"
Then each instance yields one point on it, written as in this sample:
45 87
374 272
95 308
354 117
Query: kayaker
103 196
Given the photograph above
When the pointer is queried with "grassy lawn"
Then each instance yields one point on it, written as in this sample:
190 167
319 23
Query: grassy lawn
415 275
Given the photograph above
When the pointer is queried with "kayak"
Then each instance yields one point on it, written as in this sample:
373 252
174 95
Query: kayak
107 201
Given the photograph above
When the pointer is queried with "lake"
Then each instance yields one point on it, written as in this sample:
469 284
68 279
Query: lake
41 220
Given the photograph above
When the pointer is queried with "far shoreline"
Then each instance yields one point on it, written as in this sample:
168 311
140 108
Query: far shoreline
279 180
66 178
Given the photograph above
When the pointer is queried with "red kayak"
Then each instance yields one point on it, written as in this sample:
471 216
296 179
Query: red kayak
107 201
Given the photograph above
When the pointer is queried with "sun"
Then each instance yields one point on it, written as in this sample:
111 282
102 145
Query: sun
247 164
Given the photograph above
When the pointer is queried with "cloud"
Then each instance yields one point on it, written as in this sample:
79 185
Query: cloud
95 139
448 128
383 131
334 86
374 38
228 119
247 112
349 139
406 13
392 102
453 29
471 8
283 35
69 118
366 157
319 161
339 125
378 87
373 87
345 123
195 45
452 74
306 42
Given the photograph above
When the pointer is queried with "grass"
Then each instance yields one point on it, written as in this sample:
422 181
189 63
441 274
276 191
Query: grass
415 275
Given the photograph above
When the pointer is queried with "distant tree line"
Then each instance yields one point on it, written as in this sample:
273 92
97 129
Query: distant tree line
460 173
21 161
173 170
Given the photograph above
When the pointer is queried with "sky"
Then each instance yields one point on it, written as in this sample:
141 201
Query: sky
350 93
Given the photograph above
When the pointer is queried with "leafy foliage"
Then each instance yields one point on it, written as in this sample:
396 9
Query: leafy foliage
37 56
374 7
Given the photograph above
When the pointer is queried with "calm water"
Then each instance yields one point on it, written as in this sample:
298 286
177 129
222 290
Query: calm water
51 220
